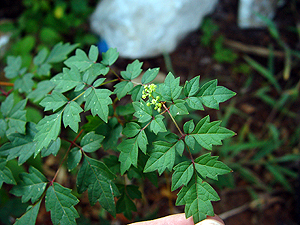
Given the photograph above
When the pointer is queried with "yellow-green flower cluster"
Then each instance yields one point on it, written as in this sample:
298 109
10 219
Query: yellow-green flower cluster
147 92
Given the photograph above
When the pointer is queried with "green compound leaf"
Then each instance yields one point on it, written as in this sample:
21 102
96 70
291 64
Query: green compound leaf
208 166
69 79
191 87
25 83
211 94
197 197
150 75
157 125
96 176
91 142
109 57
31 186
48 130
29 217
53 101
71 116
122 88
60 52
183 173
162 157
209 133
133 70
60 202
6 176
97 100
43 88
13 67
142 111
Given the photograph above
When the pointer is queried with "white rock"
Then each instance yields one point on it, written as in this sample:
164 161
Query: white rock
147 28
247 17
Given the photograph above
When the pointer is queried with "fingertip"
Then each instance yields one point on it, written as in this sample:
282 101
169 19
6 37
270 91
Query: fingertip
215 220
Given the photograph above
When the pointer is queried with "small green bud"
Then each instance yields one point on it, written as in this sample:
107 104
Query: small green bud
157 98
148 103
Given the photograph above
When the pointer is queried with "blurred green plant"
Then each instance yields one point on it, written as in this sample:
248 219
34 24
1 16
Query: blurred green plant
44 23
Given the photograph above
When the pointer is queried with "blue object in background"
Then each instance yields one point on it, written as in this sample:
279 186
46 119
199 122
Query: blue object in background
102 45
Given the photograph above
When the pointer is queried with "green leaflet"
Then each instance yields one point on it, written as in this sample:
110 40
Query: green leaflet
208 166
162 157
60 52
142 111
48 130
188 127
32 185
13 67
183 173
125 204
136 93
21 145
197 197
157 125
6 176
91 142
170 90
133 70
25 83
71 116
81 60
69 79
53 101
97 100
191 87
95 176
110 56
74 158
29 217
209 133
43 88
178 109
129 154
211 94
60 202
149 75
131 129
14 114
122 88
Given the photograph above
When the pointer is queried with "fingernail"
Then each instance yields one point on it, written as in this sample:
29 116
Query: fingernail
210 222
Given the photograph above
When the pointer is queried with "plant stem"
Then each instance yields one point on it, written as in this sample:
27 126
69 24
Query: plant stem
3 83
65 157
173 119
